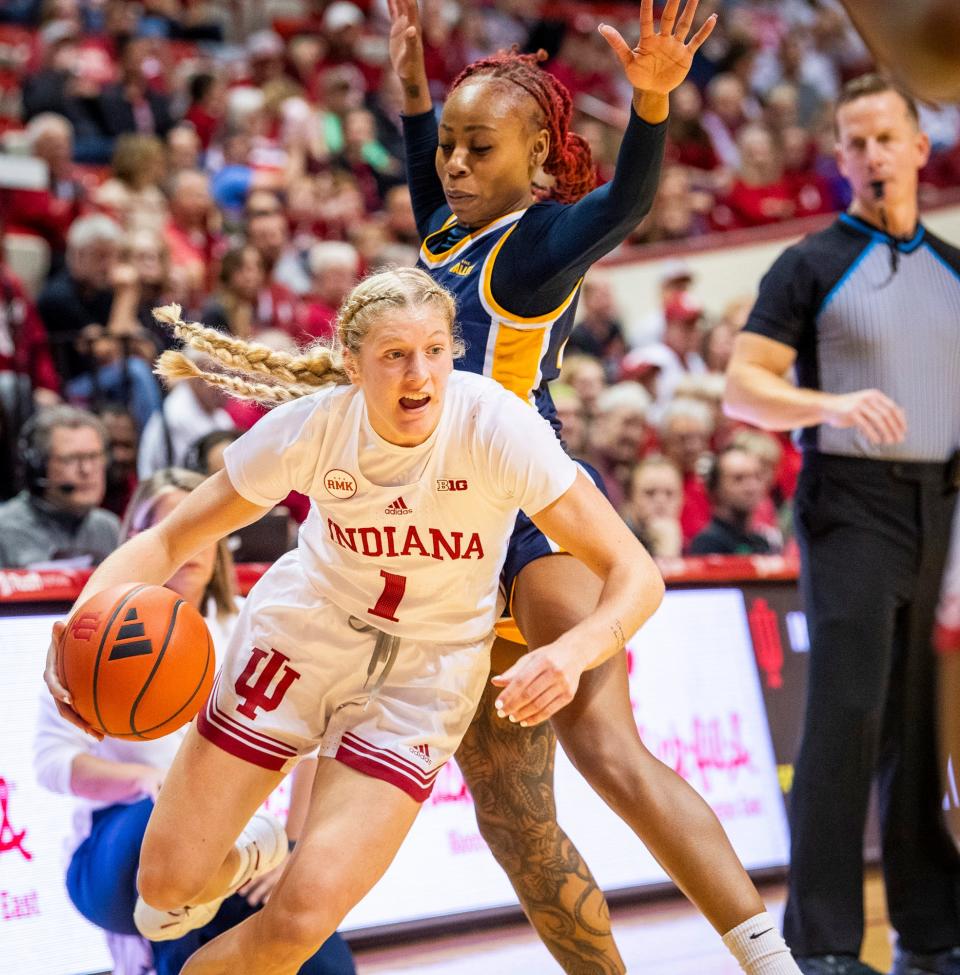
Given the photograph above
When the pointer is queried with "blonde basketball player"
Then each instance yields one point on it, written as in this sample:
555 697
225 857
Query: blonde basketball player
370 641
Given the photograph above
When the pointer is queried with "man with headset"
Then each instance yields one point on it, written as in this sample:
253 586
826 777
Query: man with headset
57 516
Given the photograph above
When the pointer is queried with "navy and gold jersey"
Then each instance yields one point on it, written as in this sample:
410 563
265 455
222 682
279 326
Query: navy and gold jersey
522 354
518 278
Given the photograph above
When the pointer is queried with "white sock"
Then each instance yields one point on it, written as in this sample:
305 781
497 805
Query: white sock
759 947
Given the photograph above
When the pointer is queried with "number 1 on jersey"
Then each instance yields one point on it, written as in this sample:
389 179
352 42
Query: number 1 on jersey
393 589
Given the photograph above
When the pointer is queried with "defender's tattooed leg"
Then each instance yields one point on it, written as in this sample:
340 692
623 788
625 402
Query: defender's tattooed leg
509 770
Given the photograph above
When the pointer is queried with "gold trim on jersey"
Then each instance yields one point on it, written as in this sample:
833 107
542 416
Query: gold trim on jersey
494 307
435 260
517 354
516 346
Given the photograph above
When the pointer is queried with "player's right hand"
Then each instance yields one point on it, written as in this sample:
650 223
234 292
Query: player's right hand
60 694
871 413
406 40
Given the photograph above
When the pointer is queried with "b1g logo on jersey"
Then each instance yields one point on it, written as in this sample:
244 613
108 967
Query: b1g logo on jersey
451 484
340 484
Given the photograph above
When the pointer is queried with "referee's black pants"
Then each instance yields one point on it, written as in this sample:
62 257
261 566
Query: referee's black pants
873 539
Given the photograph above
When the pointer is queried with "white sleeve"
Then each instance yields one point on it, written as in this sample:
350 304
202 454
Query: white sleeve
527 464
56 743
279 453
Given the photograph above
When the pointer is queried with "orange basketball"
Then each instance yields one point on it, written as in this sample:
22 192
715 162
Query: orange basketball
138 661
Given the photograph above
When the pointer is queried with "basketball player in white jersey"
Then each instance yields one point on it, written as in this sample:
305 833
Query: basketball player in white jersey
371 640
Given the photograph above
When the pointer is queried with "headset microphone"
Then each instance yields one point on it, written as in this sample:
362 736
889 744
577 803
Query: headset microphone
67 487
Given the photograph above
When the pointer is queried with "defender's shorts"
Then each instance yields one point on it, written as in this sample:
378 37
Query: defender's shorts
294 675
527 544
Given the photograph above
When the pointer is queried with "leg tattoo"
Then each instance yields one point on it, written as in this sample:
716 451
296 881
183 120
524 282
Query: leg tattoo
509 770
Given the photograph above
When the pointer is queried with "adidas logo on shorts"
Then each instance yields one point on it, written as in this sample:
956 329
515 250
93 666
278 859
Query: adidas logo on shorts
422 752
398 507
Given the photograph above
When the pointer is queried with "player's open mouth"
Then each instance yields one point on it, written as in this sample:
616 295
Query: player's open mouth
415 402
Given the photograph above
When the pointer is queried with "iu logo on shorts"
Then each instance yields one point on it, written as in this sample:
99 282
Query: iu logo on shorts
256 693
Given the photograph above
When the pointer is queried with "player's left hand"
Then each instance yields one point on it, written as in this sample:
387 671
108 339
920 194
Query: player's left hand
258 891
539 683
660 61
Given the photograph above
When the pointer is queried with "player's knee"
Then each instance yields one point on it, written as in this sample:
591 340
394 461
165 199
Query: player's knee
302 920
619 771
167 885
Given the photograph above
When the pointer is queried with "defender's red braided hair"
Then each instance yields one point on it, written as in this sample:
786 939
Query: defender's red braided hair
569 160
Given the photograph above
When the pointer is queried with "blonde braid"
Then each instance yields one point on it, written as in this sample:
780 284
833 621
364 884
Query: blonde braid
175 365
319 365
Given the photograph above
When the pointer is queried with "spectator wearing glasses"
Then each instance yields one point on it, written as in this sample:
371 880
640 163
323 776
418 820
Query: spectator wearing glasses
58 515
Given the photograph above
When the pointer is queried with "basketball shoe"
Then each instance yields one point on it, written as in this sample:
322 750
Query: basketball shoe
262 846
834 965
939 963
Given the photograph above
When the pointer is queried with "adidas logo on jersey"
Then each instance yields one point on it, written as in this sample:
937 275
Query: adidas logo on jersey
422 752
463 268
398 507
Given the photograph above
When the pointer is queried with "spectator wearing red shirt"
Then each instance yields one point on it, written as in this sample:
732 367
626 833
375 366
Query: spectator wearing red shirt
576 63
685 430
760 194
724 117
194 245
24 345
811 191
49 212
208 106
335 269
278 304
688 142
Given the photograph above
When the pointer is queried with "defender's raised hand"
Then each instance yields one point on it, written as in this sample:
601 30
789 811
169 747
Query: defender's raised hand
406 55
660 61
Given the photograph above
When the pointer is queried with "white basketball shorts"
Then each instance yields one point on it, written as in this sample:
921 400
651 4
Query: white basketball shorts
294 679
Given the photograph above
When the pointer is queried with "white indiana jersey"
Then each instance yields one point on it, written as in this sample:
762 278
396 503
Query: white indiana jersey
419 559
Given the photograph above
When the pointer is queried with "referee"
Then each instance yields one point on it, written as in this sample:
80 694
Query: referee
868 314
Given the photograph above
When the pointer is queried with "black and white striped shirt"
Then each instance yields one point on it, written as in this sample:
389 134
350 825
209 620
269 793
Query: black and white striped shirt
860 319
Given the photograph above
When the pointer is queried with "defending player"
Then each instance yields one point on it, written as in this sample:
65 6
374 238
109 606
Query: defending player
515 262
371 639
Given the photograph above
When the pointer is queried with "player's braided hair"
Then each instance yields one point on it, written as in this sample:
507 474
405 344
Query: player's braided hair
292 375
569 160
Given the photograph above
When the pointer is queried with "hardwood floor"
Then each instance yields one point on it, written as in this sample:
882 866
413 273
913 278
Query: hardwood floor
659 938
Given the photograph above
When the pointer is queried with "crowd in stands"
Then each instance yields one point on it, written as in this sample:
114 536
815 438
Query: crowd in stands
250 168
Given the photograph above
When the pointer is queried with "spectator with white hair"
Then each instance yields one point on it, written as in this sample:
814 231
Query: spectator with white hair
82 293
617 436
48 212
685 428
334 270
